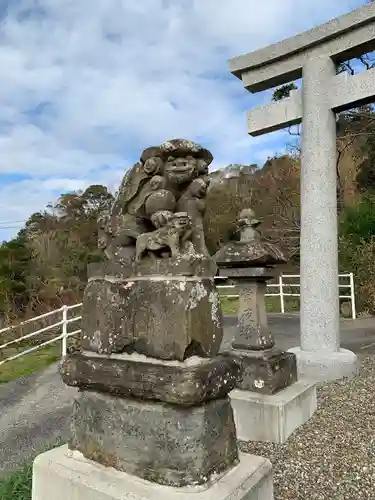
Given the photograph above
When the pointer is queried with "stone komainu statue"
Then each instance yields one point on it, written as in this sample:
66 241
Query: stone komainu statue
156 222
171 178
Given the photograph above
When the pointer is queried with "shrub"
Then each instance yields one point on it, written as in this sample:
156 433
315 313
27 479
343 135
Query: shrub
358 222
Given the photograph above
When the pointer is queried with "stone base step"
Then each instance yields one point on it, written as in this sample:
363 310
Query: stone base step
262 417
61 474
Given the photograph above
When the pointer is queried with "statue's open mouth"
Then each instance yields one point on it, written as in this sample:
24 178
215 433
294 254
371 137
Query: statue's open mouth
179 170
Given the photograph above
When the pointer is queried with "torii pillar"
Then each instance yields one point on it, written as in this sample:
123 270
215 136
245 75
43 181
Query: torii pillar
313 55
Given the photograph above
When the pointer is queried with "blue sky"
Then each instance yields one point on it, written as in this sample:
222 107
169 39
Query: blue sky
88 84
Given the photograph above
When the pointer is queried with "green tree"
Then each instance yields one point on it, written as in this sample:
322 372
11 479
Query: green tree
358 222
283 91
65 243
366 173
357 247
45 265
15 261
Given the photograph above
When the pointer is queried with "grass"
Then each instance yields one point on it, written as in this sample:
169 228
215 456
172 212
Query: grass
291 304
17 486
29 363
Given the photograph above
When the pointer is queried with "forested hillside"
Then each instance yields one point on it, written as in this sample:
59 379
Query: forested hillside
44 266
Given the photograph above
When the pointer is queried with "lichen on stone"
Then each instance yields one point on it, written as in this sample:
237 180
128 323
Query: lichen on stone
197 293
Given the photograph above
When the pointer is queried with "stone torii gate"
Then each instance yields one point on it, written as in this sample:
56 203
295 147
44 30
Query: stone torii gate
313 55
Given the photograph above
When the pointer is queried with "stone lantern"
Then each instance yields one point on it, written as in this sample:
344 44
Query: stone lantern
268 385
250 263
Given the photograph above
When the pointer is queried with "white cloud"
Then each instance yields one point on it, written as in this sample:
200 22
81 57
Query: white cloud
90 83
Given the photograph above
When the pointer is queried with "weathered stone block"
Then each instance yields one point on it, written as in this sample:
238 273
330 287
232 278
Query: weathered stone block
166 318
190 383
104 314
64 475
262 417
325 366
266 372
162 443
253 332
198 266
237 274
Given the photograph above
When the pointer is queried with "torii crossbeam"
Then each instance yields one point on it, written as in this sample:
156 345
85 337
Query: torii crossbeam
313 55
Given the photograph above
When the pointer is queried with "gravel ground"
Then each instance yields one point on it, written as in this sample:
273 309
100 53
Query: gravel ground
333 455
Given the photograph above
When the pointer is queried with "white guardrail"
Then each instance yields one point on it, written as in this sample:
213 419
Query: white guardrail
65 321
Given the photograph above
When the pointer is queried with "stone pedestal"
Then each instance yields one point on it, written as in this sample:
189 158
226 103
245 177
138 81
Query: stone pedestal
162 443
168 422
269 403
261 417
187 383
167 317
325 366
266 372
61 474
153 415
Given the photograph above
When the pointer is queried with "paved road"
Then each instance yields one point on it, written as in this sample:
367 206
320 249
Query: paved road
357 335
35 410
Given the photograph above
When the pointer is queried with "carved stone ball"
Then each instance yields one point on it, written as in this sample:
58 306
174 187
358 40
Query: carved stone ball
156 182
247 217
160 200
198 188
202 166
161 218
153 165
247 213
149 153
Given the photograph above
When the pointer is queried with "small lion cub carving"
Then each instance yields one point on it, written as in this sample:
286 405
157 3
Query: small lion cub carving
173 236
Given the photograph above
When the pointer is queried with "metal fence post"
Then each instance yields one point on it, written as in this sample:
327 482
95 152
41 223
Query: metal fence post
64 330
352 296
281 288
